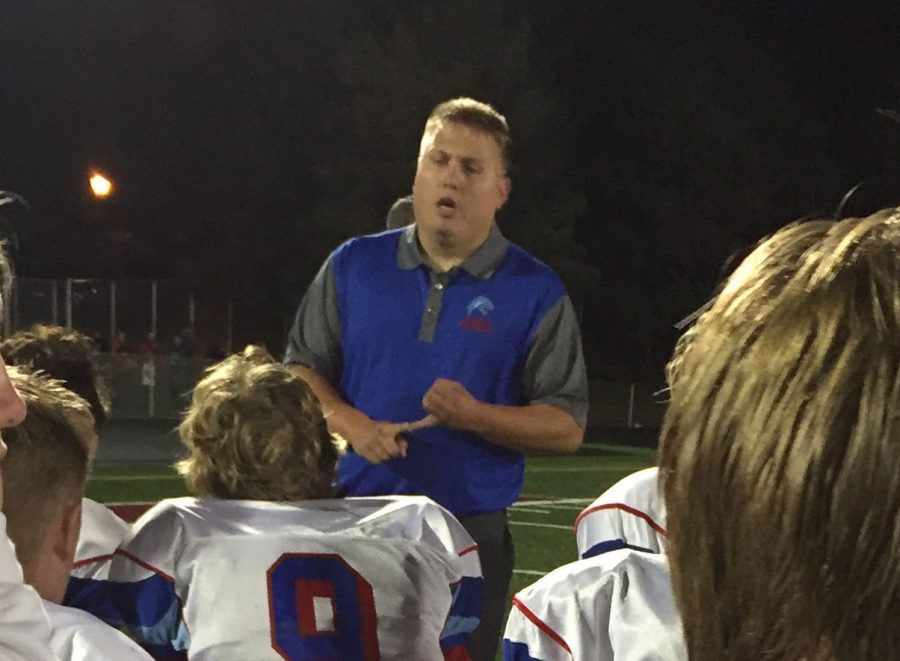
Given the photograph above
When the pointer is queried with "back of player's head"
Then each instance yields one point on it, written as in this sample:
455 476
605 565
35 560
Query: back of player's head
780 450
475 115
64 354
401 213
255 431
48 459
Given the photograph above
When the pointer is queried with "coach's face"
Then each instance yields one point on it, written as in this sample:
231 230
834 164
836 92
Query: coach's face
460 184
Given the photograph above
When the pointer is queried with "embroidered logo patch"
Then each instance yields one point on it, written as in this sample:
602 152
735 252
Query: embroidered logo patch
477 317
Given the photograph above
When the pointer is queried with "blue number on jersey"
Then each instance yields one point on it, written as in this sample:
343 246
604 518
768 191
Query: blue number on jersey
321 608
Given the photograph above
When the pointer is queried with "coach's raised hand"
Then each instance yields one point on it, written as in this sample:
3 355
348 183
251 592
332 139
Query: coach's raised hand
449 404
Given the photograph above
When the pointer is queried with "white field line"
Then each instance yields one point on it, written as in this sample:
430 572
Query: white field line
529 510
540 525
529 572
553 501
554 506
583 469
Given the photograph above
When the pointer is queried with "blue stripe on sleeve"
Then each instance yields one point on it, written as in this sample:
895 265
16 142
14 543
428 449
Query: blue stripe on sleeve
612 545
516 652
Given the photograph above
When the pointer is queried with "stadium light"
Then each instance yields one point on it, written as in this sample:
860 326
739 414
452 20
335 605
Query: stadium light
101 186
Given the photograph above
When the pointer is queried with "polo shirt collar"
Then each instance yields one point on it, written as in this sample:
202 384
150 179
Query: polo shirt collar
482 263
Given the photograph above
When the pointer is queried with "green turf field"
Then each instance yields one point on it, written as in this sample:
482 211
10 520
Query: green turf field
556 490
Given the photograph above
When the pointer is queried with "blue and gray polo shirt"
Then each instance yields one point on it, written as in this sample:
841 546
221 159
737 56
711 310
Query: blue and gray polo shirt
380 325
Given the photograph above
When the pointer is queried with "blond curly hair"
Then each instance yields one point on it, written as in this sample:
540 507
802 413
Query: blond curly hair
780 447
255 431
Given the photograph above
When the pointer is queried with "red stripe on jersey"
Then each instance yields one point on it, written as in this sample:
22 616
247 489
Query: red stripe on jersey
474 547
145 565
625 508
540 624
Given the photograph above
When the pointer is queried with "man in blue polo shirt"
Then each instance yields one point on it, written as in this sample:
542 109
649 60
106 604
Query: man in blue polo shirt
443 353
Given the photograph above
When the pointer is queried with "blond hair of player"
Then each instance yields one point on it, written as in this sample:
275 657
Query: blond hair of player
254 431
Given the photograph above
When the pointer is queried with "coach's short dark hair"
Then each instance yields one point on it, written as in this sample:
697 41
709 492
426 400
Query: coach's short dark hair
475 115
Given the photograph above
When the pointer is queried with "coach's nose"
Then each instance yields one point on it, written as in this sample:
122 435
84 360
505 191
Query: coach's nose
12 406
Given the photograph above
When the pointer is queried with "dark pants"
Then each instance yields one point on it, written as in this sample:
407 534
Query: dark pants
497 554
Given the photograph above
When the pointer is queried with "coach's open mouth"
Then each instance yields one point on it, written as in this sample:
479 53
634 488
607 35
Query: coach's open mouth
446 206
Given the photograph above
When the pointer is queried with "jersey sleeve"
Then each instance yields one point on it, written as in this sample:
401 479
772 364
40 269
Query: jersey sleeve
315 338
555 371
24 630
445 535
139 594
466 587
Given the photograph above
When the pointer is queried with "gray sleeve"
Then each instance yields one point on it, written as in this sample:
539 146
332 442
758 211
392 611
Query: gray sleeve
554 369
315 338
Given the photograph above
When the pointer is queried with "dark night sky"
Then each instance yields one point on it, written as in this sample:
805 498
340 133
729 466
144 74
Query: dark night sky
139 88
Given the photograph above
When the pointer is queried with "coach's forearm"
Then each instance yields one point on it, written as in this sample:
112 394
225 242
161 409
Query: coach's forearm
343 419
535 428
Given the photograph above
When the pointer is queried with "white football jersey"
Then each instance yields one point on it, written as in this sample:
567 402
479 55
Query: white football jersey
613 607
102 531
358 578
630 514
24 629
79 636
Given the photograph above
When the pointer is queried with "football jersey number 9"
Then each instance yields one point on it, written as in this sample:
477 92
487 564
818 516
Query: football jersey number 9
321 608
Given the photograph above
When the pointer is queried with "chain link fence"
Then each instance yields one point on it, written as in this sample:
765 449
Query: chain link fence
151 378
149 387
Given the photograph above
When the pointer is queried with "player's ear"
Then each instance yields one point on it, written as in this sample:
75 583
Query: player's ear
66 539
50 569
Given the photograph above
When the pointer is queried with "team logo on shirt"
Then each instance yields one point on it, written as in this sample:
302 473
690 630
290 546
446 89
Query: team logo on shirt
477 317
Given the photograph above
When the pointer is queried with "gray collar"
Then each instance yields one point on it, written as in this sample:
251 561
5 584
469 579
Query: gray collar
482 263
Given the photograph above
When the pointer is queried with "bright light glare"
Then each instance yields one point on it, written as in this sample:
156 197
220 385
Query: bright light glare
100 185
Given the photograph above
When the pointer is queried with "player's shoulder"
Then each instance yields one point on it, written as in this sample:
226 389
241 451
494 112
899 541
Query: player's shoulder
636 494
167 513
411 517
170 507
640 482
